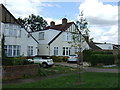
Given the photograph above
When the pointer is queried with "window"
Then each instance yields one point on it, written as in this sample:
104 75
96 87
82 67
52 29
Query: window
30 51
12 30
66 51
12 50
55 51
63 50
41 36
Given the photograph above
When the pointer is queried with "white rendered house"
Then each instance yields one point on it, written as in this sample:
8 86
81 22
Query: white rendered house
105 46
18 42
58 40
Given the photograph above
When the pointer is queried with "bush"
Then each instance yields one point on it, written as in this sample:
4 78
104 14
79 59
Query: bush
87 54
100 58
59 58
15 61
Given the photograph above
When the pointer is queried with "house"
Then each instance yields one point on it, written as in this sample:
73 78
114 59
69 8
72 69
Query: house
18 42
93 46
104 46
58 40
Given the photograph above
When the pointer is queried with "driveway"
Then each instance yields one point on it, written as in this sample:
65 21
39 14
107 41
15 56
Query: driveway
89 69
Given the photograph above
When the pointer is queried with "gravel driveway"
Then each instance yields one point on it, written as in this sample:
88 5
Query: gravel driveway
90 69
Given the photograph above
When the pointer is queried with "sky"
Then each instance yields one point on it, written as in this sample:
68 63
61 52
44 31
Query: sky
102 17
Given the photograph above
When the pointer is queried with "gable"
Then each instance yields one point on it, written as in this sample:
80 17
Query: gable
6 16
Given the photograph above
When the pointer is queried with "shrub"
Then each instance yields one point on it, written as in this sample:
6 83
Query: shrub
100 58
59 58
87 54
15 61
7 61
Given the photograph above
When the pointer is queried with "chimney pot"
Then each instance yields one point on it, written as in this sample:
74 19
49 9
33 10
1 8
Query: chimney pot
52 23
64 21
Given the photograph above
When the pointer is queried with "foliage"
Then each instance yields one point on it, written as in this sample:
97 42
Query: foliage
98 57
101 58
82 23
15 61
35 23
59 58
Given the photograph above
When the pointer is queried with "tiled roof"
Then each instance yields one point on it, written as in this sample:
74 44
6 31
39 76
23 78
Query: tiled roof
61 27
93 46
6 16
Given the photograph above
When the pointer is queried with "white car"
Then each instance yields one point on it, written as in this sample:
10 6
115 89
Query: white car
73 58
44 61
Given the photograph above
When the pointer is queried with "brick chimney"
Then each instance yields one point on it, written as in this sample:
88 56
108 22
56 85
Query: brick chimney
52 23
64 21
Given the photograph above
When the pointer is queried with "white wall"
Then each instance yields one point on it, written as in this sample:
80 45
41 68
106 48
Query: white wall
59 42
106 46
23 41
48 35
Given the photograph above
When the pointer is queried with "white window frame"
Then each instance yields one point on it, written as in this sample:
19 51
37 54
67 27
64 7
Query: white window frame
41 35
12 50
66 51
30 51
12 30
55 51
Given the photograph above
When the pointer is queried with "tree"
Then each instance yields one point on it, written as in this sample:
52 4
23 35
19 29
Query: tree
83 31
33 23
83 25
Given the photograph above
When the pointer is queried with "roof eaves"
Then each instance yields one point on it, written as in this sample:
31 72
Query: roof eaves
55 38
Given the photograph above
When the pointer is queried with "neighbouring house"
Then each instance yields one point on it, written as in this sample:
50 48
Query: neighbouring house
93 46
58 40
104 46
18 42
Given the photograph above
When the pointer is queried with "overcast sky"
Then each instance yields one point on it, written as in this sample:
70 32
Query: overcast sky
101 16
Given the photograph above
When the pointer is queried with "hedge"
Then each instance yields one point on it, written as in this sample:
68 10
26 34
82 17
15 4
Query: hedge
98 57
101 59
15 61
59 58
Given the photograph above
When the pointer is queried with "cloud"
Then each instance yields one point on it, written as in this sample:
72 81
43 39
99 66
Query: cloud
23 8
102 19
100 35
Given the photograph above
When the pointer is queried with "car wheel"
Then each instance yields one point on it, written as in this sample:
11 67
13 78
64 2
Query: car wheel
44 65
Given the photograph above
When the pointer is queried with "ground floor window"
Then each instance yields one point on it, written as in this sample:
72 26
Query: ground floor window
30 51
55 51
66 51
12 50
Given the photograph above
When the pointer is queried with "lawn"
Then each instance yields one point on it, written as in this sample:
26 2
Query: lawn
88 80
56 69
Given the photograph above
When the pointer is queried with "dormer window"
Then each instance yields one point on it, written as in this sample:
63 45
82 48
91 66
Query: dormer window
41 36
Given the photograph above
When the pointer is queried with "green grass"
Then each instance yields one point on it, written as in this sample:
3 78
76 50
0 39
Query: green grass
56 69
88 79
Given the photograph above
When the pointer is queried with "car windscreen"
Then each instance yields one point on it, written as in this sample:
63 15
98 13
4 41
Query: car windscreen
72 55
37 57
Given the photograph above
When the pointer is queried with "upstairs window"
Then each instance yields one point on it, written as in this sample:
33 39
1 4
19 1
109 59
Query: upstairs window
41 36
67 36
12 30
